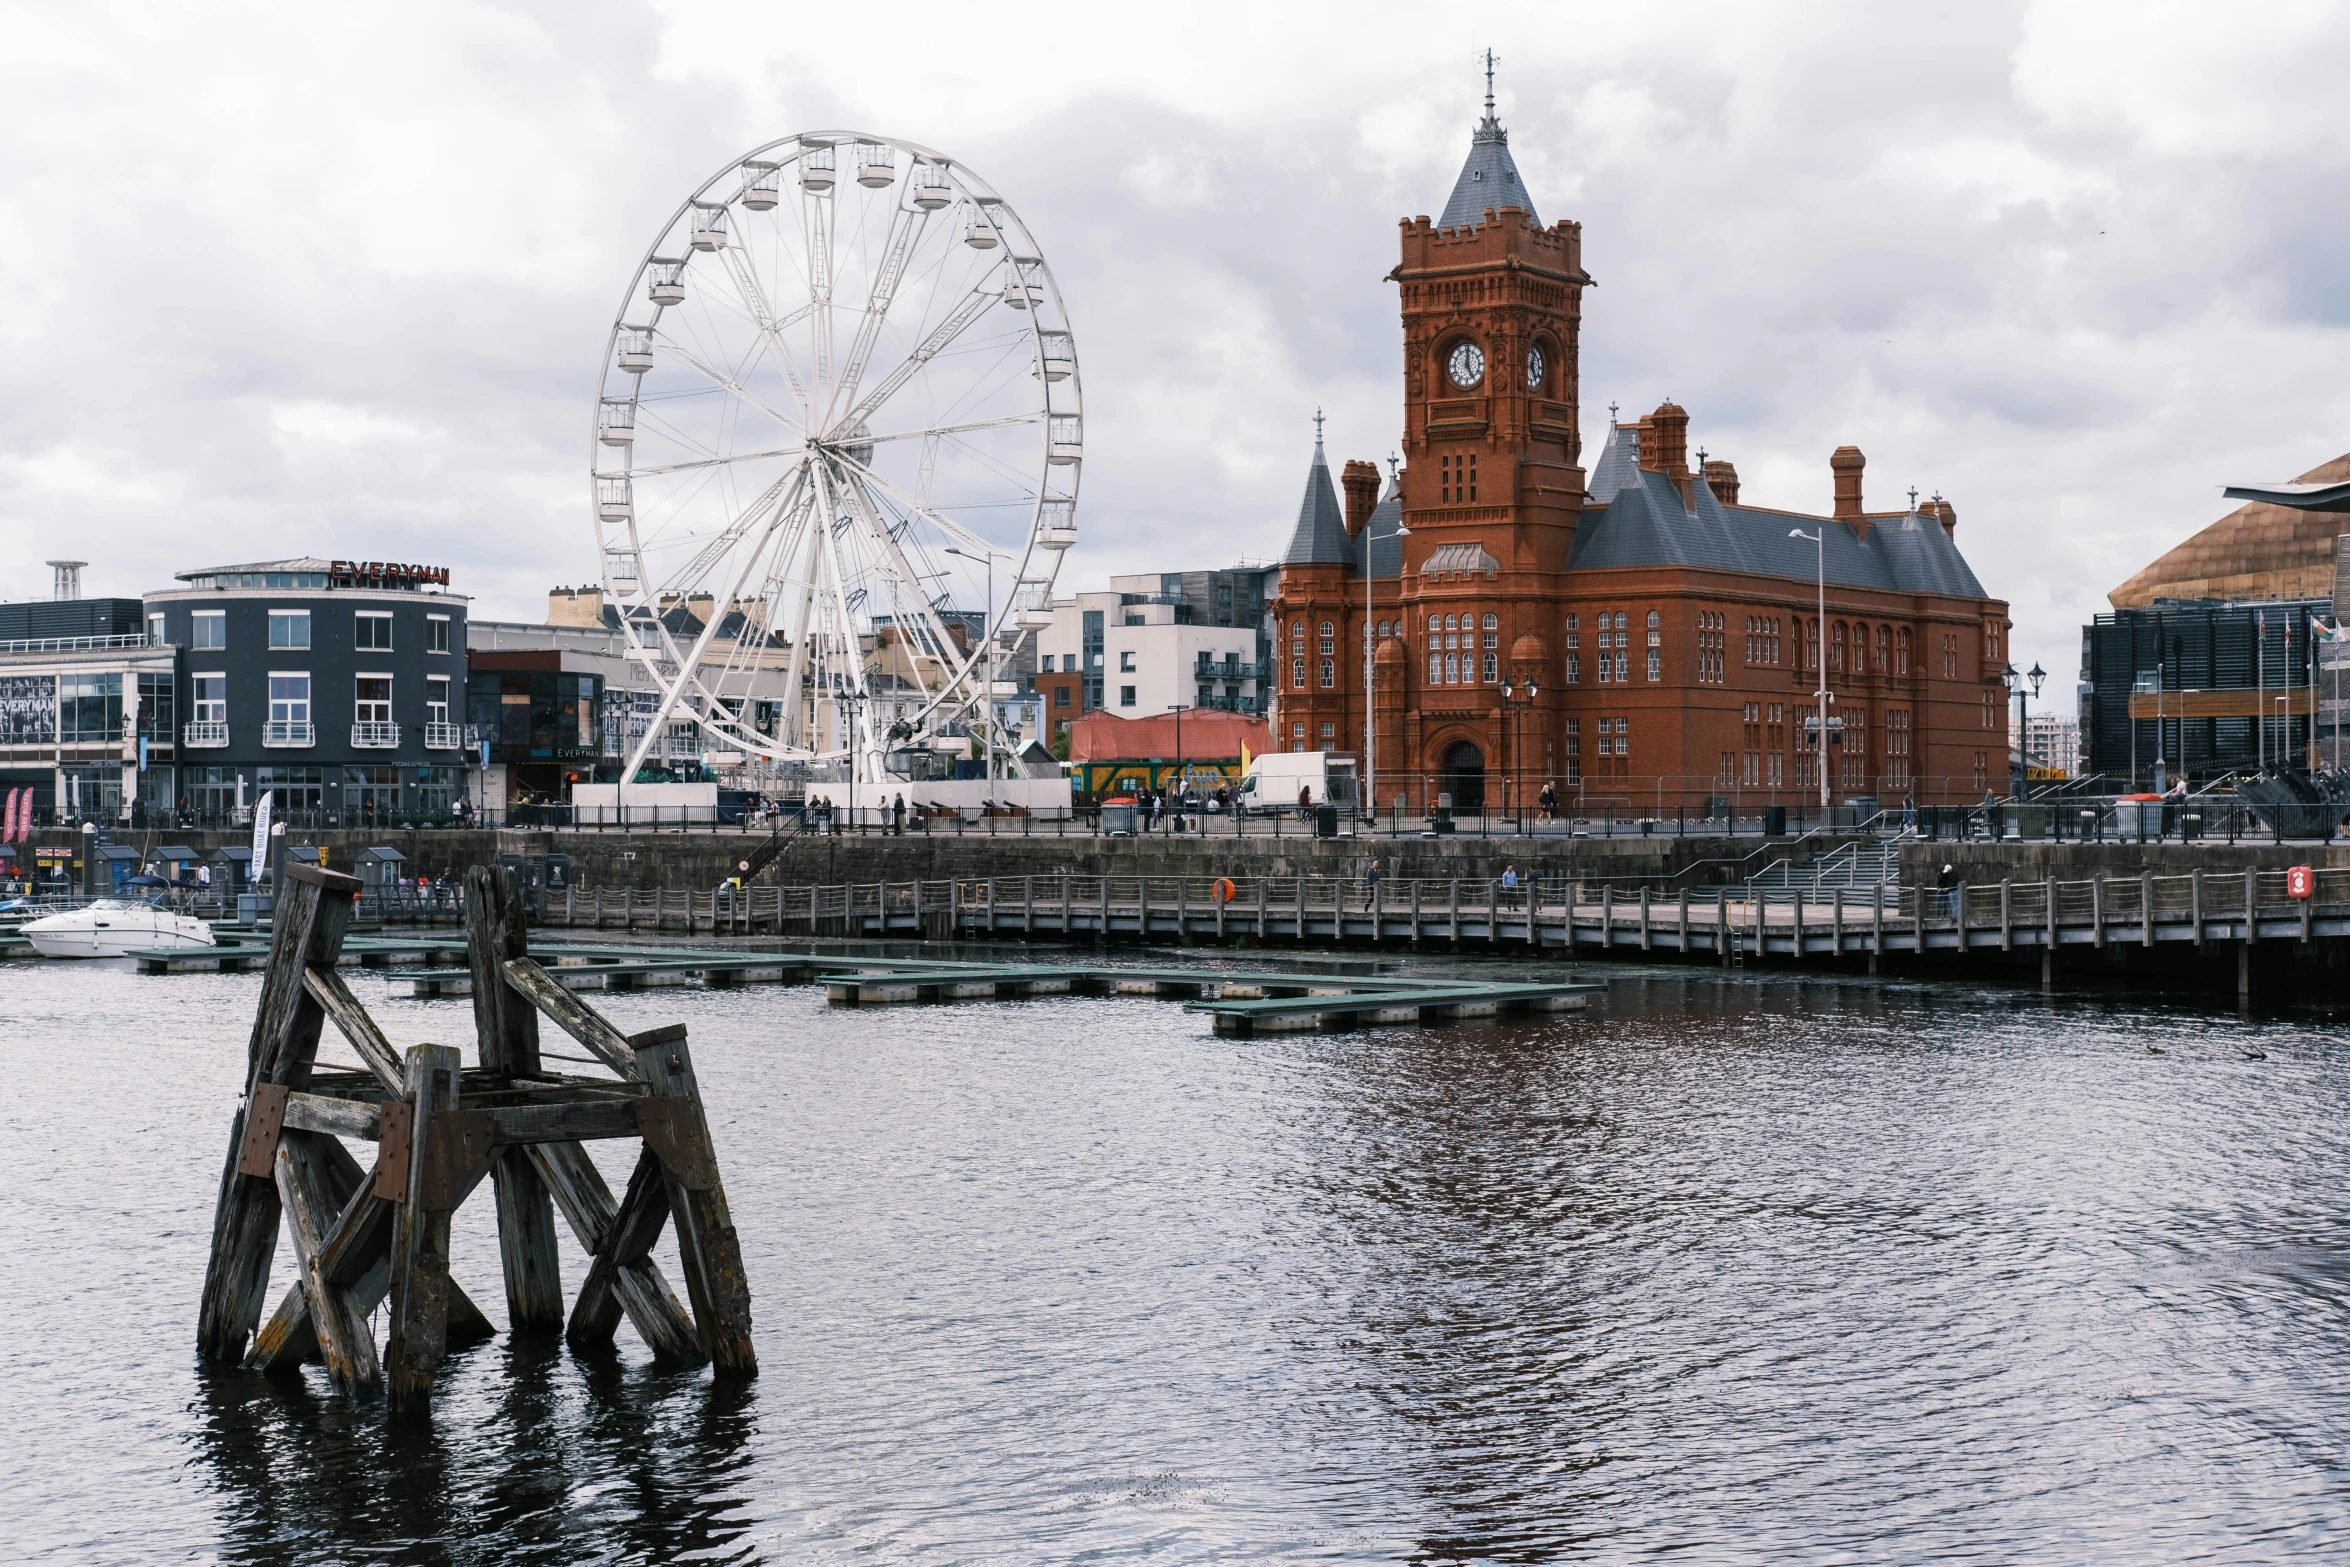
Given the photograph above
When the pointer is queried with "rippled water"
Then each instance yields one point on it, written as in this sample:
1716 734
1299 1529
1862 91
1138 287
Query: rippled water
1743 1271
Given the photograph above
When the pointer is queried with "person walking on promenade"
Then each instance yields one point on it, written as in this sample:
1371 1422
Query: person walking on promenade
1371 894
1509 886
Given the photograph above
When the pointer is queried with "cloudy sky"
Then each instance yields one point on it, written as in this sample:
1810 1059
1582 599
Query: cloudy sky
336 279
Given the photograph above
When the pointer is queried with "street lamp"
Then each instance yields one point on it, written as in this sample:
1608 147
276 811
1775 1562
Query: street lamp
2019 770
1516 704
986 616
1371 652
1820 631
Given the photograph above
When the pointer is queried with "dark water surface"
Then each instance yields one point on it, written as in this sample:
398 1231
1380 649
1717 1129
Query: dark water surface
1741 1272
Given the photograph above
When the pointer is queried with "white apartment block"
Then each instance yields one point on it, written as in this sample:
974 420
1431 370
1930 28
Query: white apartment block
1137 660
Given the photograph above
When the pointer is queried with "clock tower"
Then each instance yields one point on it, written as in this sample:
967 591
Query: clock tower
1492 317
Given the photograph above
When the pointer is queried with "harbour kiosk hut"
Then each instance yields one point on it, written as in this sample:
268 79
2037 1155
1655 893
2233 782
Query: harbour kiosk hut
380 866
112 864
297 854
232 868
176 862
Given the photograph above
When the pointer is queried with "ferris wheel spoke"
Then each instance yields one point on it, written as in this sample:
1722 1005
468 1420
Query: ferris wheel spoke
658 469
818 213
770 328
970 309
936 519
725 382
1009 421
880 538
906 227
688 664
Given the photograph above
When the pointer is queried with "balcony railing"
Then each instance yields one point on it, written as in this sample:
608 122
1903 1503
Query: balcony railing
205 735
1203 670
375 737
443 737
289 732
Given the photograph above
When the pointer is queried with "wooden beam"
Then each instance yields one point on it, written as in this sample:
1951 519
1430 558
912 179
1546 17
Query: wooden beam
708 1250
342 1334
307 929
574 1016
652 1307
418 1336
335 1117
504 1024
506 1030
286 1341
326 987
628 1237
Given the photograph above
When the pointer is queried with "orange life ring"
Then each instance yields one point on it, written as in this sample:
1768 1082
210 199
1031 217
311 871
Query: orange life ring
1225 891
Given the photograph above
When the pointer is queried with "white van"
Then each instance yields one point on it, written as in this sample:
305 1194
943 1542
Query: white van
1273 782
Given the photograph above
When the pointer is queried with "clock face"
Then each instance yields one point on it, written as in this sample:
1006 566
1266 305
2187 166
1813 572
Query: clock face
1534 368
1466 366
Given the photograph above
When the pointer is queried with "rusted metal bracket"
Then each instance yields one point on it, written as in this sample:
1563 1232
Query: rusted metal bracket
265 1118
457 1143
674 1132
391 1151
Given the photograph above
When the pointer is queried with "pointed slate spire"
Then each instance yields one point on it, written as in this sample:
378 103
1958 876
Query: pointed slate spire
1489 180
1320 539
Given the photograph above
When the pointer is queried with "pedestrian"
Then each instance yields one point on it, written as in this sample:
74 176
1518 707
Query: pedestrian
1909 811
1305 798
1371 898
1509 885
897 809
1947 884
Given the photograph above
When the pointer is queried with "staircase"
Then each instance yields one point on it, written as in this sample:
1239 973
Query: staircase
1856 869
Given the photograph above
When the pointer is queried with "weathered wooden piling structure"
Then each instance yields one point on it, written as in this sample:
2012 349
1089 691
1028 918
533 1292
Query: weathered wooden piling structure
367 1238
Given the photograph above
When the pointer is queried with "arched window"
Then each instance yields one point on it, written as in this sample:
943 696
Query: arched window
1492 622
1435 622
1884 649
1654 620
1901 653
1451 623
1622 620
1811 643
1328 629
1836 648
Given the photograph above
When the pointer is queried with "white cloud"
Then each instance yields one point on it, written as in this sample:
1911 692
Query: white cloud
292 278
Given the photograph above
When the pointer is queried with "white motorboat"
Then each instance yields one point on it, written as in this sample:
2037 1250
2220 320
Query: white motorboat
111 927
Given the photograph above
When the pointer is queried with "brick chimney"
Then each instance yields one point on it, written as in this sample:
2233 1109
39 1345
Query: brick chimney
575 607
1670 423
1647 429
1846 463
1941 511
1722 479
1359 483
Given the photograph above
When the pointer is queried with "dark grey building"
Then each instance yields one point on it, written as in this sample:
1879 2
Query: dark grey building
336 686
2200 687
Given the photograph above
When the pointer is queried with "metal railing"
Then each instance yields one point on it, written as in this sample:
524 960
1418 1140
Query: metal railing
375 737
442 737
75 644
205 735
288 732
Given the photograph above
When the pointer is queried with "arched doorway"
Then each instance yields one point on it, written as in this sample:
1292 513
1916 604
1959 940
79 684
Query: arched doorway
1464 776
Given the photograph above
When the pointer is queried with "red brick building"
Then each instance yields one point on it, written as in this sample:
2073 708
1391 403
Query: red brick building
1668 629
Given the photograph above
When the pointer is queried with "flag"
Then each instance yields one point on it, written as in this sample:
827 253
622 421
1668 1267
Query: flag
2322 631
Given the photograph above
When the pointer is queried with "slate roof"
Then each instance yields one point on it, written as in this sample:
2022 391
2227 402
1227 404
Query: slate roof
1635 518
1320 538
1383 536
1489 180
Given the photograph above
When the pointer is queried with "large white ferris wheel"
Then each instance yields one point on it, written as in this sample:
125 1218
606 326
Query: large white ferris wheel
841 402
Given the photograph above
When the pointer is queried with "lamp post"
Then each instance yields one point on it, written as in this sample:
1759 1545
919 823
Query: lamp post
1516 704
1820 630
1179 710
845 695
1371 651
